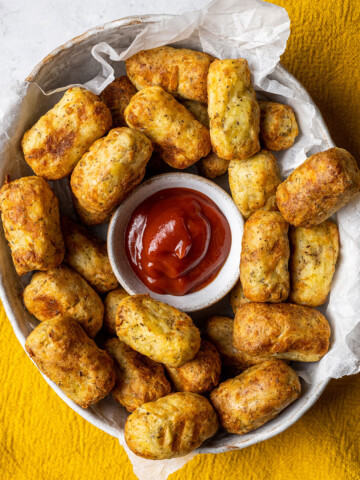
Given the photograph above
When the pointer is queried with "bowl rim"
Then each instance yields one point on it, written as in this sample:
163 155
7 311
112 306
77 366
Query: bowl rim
87 414
230 212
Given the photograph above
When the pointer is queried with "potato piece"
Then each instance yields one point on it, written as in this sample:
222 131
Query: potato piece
30 216
89 218
111 304
157 330
64 353
314 252
138 379
172 426
282 330
253 183
88 255
63 293
219 330
255 397
264 259
116 97
57 141
179 138
278 126
110 170
181 71
199 110
212 166
201 374
233 110
237 297
319 187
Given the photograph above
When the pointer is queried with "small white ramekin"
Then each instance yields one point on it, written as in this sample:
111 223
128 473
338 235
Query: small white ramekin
227 276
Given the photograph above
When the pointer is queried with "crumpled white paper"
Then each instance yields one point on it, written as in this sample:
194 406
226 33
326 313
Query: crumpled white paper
257 31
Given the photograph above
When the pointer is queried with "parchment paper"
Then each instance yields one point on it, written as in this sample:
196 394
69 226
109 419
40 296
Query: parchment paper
257 31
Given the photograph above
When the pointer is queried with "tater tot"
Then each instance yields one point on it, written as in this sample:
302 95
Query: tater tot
237 297
88 255
219 330
64 353
172 426
179 71
178 137
201 374
110 170
264 259
111 304
62 293
90 218
138 378
212 166
253 183
57 141
282 330
278 126
314 252
116 97
157 330
233 110
319 187
30 216
255 397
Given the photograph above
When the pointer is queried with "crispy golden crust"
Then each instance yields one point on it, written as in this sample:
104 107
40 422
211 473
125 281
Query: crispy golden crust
172 426
319 187
111 304
179 138
64 353
212 166
157 330
116 97
264 258
30 216
201 374
256 396
199 110
278 126
63 293
55 144
237 297
283 330
233 110
314 252
89 218
110 170
181 71
138 379
219 330
88 255
253 183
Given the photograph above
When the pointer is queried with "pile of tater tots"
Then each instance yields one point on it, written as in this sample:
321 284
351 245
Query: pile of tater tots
175 108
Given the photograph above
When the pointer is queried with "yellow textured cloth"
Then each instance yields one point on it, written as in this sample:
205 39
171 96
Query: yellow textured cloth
43 439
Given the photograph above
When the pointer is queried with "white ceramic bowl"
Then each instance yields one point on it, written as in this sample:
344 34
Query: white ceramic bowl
71 63
227 276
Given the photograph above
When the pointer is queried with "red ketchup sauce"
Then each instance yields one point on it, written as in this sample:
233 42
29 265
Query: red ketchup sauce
177 240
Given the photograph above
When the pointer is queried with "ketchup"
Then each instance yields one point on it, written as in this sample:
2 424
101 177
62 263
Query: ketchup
177 240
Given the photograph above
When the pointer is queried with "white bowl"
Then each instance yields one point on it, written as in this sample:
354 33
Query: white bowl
71 63
227 276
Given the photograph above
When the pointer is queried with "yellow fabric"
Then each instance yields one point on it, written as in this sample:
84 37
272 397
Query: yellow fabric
43 439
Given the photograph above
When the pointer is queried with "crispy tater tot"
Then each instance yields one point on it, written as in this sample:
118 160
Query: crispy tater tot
233 110
57 141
